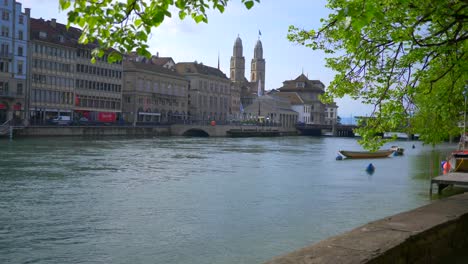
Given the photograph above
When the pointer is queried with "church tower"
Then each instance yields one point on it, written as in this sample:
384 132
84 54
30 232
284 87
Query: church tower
237 62
258 66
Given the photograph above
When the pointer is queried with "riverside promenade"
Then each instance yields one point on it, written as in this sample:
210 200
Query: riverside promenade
429 234
204 130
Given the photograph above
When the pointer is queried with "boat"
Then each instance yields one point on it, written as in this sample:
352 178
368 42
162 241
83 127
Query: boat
366 154
397 150
459 160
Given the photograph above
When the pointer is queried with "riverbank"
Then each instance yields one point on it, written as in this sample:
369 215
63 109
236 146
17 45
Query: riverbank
160 130
429 234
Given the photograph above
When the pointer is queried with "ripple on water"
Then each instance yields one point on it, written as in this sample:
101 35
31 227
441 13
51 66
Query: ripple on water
190 200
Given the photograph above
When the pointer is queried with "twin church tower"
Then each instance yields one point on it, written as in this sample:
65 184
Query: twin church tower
257 69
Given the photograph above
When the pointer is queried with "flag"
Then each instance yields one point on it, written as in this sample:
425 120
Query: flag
259 89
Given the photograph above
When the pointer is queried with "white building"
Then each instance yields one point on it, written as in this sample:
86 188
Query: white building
14 26
331 114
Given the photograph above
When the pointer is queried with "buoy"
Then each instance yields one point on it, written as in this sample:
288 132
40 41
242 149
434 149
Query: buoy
370 168
213 123
339 157
442 164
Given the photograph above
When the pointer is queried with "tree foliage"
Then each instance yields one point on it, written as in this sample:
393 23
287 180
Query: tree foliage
125 25
408 58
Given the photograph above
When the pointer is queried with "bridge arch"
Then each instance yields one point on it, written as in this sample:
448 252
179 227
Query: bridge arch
195 132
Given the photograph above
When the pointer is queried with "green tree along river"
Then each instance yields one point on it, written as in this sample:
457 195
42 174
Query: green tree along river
194 200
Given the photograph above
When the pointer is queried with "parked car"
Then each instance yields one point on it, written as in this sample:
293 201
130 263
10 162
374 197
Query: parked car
61 120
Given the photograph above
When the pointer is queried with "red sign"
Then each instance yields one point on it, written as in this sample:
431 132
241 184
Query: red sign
2 106
106 116
17 107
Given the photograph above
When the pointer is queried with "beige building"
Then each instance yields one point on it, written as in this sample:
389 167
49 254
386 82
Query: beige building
14 25
153 92
209 92
331 114
312 110
64 82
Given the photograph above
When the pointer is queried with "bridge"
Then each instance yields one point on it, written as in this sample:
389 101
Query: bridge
317 130
224 130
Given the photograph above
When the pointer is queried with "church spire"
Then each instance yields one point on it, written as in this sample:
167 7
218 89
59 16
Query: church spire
237 73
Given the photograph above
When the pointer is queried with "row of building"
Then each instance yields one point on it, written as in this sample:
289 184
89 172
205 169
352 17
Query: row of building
46 73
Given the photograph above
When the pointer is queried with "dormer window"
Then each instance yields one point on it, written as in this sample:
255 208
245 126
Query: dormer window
42 34
61 38
300 85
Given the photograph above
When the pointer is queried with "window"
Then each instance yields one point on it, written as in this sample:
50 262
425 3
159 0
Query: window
5 2
20 35
3 87
299 85
42 34
20 67
21 19
5 15
20 51
3 66
19 89
5 31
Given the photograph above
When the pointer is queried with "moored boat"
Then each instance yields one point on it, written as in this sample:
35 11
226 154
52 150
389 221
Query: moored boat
366 154
397 150
459 160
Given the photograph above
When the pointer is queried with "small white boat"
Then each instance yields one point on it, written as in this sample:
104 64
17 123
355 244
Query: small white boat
397 150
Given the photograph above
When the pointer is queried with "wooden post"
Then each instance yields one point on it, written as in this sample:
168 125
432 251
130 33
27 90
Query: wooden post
11 133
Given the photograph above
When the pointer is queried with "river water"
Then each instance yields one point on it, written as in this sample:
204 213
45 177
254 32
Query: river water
194 200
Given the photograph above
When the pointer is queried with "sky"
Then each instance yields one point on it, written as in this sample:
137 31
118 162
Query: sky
187 41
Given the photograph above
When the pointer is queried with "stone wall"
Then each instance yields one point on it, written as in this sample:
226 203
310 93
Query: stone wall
429 234
93 131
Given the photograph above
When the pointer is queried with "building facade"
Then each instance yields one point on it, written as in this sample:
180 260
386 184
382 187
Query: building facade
298 105
153 93
64 82
309 92
209 92
271 110
14 37
331 114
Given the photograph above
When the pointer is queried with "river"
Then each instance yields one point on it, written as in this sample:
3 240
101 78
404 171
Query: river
194 200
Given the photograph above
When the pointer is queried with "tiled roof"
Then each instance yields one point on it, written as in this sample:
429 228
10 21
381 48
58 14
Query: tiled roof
54 34
293 97
161 60
308 84
193 67
150 67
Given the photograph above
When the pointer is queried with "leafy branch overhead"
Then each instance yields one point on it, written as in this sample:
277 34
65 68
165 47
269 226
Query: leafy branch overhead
408 58
126 25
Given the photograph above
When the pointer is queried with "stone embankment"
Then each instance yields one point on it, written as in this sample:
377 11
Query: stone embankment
429 234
